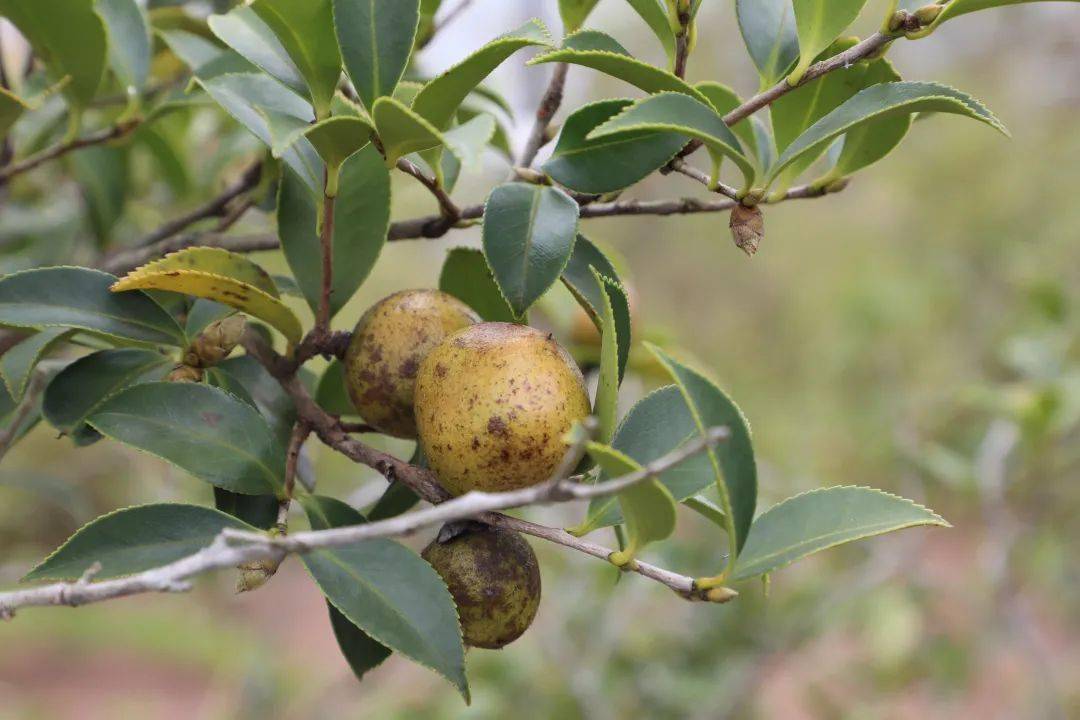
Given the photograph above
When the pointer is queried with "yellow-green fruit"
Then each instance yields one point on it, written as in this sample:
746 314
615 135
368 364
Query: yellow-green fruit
493 405
495 580
386 350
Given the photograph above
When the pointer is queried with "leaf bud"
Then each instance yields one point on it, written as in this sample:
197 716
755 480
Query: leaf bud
927 14
185 373
254 575
215 342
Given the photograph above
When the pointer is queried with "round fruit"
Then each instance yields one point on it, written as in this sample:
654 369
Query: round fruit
495 580
387 347
493 405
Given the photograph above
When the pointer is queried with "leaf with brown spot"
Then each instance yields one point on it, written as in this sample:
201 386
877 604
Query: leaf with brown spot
219 288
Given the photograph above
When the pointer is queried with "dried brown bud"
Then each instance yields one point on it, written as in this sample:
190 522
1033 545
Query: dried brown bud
747 228
215 342
185 373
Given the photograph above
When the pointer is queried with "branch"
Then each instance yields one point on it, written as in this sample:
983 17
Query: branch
22 412
852 55
125 260
549 105
451 213
424 484
326 250
233 548
114 132
216 207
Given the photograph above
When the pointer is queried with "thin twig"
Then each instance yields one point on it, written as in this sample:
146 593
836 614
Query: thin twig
684 168
433 226
849 57
22 412
682 44
113 132
216 207
549 105
326 248
450 211
300 433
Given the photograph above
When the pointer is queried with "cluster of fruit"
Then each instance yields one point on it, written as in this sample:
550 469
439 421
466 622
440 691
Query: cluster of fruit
490 405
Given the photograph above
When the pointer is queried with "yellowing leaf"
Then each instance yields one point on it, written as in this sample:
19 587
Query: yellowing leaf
220 276
215 261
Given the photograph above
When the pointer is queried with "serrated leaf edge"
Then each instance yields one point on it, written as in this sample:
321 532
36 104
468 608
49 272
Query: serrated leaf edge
934 519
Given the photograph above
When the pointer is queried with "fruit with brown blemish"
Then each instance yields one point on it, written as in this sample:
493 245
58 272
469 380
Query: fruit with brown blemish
387 347
494 403
494 578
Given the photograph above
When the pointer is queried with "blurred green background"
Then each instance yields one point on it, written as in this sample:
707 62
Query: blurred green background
918 332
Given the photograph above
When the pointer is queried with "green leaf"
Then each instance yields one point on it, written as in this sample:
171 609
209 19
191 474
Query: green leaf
797 110
822 519
607 164
255 101
203 313
389 592
80 298
818 23
18 363
81 387
402 131
337 138
135 539
732 461
376 41
466 275
331 394
708 509
956 8
468 140
606 406
601 52
245 32
200 429
574 13
361 222
219 275
768 29
656 18
440 98
394 501
881 101
578 278
528 236
258 511
865 145
129 41
676 112
647 507
306 30
724 100
104 180
69 36
657 424
275 405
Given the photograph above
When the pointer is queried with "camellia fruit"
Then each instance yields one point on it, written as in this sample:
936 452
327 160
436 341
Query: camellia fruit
494 578
387 347
494 403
